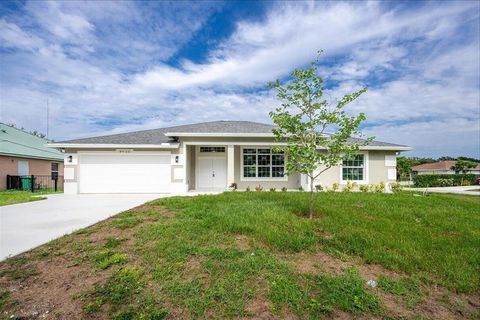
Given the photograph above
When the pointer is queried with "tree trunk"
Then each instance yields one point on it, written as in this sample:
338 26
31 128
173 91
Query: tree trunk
311 198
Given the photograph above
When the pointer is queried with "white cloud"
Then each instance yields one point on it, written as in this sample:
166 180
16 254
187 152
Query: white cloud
13 36
426 77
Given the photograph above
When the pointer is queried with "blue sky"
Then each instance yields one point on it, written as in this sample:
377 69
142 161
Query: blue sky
109 67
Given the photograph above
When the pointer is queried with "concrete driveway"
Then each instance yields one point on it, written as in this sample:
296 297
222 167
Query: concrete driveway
27 225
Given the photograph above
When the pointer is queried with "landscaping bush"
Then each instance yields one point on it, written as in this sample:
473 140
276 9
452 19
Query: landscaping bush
349 186
379 188
396 187
335 186
364 187
436 180
445 182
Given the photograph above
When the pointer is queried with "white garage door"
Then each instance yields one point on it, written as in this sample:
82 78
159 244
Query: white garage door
122 173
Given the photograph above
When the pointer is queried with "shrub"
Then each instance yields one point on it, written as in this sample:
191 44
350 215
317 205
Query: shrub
318 187
379 188
259 188
432 180
349 186
445 182
233 186
272 189
335 186
364 187
300 188
396 187
247 189
284 189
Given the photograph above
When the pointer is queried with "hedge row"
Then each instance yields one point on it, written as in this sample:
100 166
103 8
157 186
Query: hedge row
442 180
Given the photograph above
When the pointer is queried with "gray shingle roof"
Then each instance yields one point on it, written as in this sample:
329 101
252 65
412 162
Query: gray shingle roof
157 136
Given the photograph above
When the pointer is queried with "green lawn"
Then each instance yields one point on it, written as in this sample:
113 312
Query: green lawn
238 254
8 197
14 196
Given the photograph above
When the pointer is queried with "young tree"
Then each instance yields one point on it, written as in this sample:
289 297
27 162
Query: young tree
463 166
404 167
303 120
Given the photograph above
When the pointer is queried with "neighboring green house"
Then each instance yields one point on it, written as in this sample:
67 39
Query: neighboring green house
23 154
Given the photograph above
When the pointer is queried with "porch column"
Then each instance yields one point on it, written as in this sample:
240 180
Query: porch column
230 165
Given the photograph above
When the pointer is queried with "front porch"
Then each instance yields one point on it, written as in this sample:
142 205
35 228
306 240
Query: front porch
215 167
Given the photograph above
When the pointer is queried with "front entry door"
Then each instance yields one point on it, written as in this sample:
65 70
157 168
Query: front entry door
212 173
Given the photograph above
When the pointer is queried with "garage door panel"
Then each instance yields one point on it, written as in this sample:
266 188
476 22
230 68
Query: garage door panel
125 174
125 159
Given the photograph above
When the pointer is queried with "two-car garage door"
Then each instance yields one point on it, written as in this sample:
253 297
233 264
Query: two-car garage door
124 173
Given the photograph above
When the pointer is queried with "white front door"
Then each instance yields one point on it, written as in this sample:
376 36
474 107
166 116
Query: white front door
212 173
23 169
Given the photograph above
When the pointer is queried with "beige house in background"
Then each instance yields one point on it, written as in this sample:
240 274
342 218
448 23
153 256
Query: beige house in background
23 154
441 167
206 156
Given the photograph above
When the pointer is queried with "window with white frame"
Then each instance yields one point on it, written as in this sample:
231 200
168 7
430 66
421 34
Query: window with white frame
263 163
212 149
354 169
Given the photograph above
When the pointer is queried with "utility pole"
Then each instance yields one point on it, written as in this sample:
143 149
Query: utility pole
47 117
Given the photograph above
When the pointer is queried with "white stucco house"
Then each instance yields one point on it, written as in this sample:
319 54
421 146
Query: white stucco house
202 157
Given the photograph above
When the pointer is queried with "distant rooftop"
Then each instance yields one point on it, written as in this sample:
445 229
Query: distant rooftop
439 166
157 136
18 143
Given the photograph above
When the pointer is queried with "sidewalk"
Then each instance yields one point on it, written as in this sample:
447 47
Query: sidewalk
468 190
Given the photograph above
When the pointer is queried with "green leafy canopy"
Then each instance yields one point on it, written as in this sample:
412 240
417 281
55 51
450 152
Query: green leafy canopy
309 123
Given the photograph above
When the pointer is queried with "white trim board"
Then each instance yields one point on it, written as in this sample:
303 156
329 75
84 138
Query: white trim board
113 146
217 134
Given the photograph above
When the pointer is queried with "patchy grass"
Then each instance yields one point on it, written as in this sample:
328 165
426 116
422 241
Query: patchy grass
18 268
14 196
251 255
434 237
407 288
3 297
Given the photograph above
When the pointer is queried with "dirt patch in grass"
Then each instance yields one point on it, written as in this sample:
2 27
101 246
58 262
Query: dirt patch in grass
431 304
193 265
62 275
306 215
242 242
53 291
259 307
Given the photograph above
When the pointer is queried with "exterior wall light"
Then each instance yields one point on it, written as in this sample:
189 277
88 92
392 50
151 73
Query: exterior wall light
176 159
70 158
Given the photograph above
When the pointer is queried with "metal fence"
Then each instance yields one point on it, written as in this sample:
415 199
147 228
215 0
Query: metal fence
35 183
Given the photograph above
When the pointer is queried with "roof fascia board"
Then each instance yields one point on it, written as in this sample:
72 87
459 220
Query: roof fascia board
16 155
177 145
113 146
386 148
217 134
226 142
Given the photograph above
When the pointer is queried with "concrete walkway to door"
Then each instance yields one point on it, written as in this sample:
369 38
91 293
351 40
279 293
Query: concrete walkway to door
25 226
